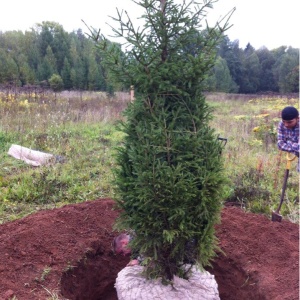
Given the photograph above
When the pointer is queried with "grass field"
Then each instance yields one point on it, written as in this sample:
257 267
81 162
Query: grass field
81 127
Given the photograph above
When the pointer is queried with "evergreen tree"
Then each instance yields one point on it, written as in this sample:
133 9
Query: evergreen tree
66 75
80 78
48 66
93 74
233 55
3 65
250 72
8 68
220 79
224 82
293 80
27 75
31 50
210 83
288 69
60 46
169 175
45 37
266 77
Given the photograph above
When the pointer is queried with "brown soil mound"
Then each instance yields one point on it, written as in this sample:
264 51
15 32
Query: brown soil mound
66 252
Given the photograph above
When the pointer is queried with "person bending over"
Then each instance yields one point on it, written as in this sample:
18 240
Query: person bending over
288 131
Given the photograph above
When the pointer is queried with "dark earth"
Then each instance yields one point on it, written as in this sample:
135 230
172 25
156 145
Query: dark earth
65 253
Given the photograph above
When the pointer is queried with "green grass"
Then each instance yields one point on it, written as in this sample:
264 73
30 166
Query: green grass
81 128
86 144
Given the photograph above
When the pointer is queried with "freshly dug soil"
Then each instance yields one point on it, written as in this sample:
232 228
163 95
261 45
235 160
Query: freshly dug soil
66 252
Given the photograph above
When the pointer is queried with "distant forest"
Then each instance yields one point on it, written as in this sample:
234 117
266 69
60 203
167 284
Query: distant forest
48 56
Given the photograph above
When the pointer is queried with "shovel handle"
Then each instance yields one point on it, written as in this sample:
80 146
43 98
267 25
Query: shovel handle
289 159
286 176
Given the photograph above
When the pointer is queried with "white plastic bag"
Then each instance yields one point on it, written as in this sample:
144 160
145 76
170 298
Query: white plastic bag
31 157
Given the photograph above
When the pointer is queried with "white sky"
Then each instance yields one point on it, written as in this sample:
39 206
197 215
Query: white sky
267 23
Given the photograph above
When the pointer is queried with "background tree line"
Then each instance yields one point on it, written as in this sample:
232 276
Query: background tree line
49 55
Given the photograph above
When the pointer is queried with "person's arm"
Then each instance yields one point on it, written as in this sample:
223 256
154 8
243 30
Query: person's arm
136 259
133 262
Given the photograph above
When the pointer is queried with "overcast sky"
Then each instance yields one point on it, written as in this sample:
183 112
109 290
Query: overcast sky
267 23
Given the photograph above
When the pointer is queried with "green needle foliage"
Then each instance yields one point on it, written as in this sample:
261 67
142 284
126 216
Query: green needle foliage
169 176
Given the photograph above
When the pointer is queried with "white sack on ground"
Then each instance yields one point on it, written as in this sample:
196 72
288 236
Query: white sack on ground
31 157
131 285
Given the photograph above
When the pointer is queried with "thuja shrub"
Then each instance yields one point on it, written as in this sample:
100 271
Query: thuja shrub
169 176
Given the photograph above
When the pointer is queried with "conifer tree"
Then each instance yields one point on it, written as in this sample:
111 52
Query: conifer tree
169 169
